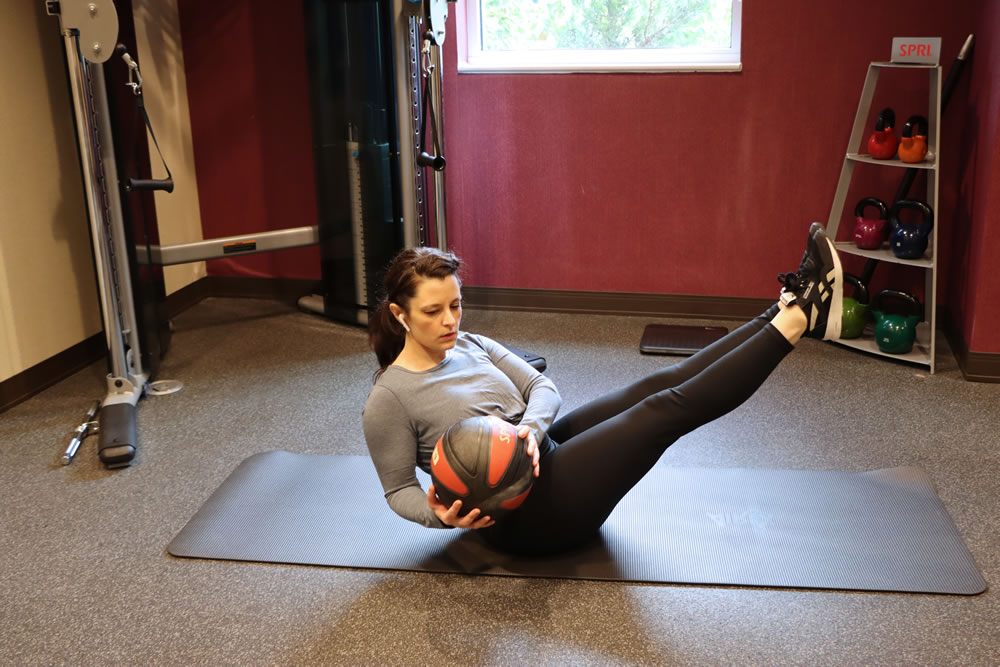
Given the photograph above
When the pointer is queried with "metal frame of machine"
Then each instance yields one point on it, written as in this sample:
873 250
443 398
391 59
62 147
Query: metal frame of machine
90 33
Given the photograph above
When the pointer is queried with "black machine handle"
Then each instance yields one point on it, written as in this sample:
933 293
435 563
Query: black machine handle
436 162
425 159
144 184
141 184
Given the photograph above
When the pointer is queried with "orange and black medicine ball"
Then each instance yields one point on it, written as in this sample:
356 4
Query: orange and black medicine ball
482 462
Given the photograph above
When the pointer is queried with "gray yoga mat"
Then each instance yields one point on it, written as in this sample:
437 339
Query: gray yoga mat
884 530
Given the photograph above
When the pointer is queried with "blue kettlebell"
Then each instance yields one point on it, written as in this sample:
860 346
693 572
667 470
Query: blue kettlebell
910 241
895 334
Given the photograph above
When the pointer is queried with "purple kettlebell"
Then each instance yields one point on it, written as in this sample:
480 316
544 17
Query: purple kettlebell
869 234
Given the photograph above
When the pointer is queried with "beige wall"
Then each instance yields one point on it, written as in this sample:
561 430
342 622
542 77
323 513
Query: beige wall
158 35
48 293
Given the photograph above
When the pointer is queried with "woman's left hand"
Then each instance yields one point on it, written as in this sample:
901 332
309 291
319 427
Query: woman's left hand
525 433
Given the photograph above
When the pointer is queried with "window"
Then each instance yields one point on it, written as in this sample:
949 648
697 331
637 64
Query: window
598 35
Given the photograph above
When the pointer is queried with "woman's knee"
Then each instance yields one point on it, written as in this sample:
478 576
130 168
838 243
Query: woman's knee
673 410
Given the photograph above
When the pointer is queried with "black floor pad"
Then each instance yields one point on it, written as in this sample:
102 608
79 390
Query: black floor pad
884 530
678 339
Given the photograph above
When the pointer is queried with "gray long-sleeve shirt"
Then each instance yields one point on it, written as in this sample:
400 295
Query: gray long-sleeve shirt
407 412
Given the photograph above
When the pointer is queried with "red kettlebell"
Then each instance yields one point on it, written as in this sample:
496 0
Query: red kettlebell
913 143
883 142
869 234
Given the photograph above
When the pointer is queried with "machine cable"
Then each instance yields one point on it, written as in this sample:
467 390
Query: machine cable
135 83
435 161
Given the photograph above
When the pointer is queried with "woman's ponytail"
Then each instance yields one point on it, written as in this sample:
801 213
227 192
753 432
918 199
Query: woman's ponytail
385 335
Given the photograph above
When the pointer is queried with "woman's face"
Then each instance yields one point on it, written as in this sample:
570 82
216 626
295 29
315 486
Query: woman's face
435 313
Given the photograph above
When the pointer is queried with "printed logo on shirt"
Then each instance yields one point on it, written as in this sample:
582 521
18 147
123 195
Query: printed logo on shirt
754 518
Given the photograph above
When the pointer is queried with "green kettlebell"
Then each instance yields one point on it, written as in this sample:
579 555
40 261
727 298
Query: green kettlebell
855 309
895 334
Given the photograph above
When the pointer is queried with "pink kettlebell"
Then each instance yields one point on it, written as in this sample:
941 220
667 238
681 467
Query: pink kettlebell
869 233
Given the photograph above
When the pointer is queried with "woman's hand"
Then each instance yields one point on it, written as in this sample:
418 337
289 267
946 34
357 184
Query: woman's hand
525 433
449 515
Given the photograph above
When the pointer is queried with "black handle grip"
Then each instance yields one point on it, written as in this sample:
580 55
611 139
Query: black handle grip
926 213
437 162
914 305
883 210
165 184
860 289
918 122
886 119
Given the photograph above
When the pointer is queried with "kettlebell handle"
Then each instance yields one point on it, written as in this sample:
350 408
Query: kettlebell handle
860 291
914 304
886 120
926 213
883 210
921 124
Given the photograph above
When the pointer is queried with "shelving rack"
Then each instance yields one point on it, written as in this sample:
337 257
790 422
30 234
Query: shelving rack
923 349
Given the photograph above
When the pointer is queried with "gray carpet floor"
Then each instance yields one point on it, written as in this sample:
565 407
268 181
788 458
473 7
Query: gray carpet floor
86 580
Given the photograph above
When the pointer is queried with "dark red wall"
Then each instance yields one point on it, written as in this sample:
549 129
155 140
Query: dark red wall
690 183
977 241
678 183
248 94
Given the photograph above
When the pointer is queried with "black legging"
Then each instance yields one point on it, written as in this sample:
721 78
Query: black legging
609 444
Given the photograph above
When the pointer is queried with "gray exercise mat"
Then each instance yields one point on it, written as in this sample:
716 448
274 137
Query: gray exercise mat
884 530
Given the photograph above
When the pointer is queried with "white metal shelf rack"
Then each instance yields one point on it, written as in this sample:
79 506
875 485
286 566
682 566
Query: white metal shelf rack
923 349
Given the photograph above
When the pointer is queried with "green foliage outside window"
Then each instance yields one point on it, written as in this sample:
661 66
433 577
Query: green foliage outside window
605 24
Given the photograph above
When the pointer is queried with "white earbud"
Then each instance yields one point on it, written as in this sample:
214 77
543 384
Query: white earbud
400 318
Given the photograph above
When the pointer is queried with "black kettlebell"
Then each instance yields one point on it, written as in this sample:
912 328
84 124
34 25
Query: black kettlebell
910 241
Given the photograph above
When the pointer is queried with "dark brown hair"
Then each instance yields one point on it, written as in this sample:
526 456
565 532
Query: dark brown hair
385 334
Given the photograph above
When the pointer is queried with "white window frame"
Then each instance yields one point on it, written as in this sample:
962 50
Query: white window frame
471 57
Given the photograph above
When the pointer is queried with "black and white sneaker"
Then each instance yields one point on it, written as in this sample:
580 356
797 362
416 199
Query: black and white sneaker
817 286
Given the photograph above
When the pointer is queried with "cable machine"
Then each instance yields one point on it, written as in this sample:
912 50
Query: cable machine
376 73
90 32
102 74
378 129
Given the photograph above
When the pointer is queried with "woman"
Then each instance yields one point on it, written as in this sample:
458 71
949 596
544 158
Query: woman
433 375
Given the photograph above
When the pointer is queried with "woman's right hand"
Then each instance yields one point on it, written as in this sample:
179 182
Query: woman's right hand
449 515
